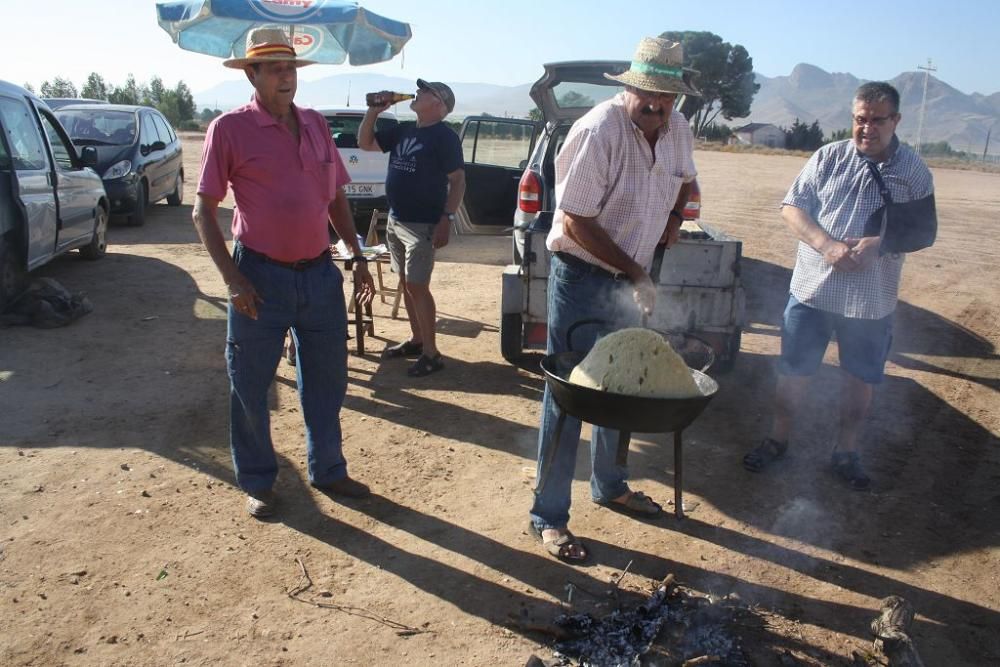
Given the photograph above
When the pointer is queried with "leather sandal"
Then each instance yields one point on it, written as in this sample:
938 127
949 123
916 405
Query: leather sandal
567 547
405 349
425 366
847 466
761 456
636 504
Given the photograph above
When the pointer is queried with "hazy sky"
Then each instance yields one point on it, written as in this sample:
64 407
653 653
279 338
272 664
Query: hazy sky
506 42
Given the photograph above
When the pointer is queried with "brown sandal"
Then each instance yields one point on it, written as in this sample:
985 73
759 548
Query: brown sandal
567 547
405 349
636 504
764 454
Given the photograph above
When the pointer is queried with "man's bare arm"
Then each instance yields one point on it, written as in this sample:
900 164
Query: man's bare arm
342 221
206 221
673 229
836 253
456 190
590 236
366 131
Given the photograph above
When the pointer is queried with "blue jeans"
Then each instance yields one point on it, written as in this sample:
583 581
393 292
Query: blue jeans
310 303
575 294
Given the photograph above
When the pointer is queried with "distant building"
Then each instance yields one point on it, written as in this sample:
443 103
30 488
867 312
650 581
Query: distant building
759 134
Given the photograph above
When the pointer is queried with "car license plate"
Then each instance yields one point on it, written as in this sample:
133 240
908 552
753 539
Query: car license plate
365 189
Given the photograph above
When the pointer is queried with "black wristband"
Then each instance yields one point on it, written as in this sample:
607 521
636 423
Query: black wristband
357 259
677 213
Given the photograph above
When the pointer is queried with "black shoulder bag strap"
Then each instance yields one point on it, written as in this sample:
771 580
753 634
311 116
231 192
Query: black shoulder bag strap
884 191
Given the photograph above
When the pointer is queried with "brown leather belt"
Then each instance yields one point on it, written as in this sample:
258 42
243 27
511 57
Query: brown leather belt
299 265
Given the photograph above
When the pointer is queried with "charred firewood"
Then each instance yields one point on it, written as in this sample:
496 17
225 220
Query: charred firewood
892 633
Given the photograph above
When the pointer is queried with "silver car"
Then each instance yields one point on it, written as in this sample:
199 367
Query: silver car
51 199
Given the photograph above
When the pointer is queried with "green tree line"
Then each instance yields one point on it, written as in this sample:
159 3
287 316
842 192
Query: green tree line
176 103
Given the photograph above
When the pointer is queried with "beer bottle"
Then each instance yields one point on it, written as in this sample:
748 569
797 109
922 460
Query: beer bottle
386 97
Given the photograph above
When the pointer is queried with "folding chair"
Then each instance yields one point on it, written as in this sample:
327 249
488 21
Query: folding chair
379 221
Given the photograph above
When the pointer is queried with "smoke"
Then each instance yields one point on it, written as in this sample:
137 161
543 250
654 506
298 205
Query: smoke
624 311
803 520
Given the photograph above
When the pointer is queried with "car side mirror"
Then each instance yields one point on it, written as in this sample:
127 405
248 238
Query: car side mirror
158 146
522 164
88 156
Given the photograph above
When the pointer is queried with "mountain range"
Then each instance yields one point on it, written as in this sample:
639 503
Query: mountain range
808 93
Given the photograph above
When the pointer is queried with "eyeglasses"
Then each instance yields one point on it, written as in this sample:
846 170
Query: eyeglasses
877 121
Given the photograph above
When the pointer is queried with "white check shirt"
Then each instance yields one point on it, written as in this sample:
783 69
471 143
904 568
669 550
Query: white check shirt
606 171
838 191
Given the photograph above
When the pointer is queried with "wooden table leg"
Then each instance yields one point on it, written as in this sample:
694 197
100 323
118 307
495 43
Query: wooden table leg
359 321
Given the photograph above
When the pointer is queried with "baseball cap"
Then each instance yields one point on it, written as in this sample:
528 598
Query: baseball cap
441 91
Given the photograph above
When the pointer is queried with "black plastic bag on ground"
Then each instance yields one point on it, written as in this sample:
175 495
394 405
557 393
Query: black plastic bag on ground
46 305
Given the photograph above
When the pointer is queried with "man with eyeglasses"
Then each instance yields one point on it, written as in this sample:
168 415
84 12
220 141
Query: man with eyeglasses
424 185
841 284
622 179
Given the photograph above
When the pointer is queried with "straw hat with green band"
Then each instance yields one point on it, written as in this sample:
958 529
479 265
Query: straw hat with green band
657 66
267 45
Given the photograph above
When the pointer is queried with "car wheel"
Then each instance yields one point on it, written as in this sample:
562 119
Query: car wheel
511 333
138 217
176 198
99 242
13 276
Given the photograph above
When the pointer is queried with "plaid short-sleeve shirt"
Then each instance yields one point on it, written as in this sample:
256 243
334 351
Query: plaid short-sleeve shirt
606 171
837 189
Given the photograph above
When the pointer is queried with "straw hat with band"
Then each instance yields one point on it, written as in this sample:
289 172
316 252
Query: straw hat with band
657 66
267 45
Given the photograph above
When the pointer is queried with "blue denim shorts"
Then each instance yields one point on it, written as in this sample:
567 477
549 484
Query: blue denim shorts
863 344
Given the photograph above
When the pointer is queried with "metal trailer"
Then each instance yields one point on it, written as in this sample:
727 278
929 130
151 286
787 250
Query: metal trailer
699 292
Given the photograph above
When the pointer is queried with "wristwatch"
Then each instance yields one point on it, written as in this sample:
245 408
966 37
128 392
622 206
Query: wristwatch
357 259
450 216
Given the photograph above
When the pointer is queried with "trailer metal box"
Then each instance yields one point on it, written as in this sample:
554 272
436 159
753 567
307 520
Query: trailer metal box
699 292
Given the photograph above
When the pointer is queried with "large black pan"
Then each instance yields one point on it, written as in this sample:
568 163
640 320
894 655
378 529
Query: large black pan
628 414
637 414
631 413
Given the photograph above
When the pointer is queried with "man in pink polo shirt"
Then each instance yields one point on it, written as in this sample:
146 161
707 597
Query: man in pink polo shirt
287 180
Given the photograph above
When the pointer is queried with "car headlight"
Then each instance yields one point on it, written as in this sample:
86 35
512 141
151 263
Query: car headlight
118 170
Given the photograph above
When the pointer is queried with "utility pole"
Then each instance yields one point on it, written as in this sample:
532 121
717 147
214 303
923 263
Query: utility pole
923 101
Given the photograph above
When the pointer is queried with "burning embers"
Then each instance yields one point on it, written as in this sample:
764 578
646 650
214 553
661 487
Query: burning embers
685 629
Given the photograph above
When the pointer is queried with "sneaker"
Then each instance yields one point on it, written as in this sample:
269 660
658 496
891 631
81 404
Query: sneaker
346 487
847 466
262 504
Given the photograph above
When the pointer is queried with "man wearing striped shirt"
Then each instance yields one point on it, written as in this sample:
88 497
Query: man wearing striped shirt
841 283
622 179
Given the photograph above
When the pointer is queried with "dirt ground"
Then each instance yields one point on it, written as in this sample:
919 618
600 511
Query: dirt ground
124 541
